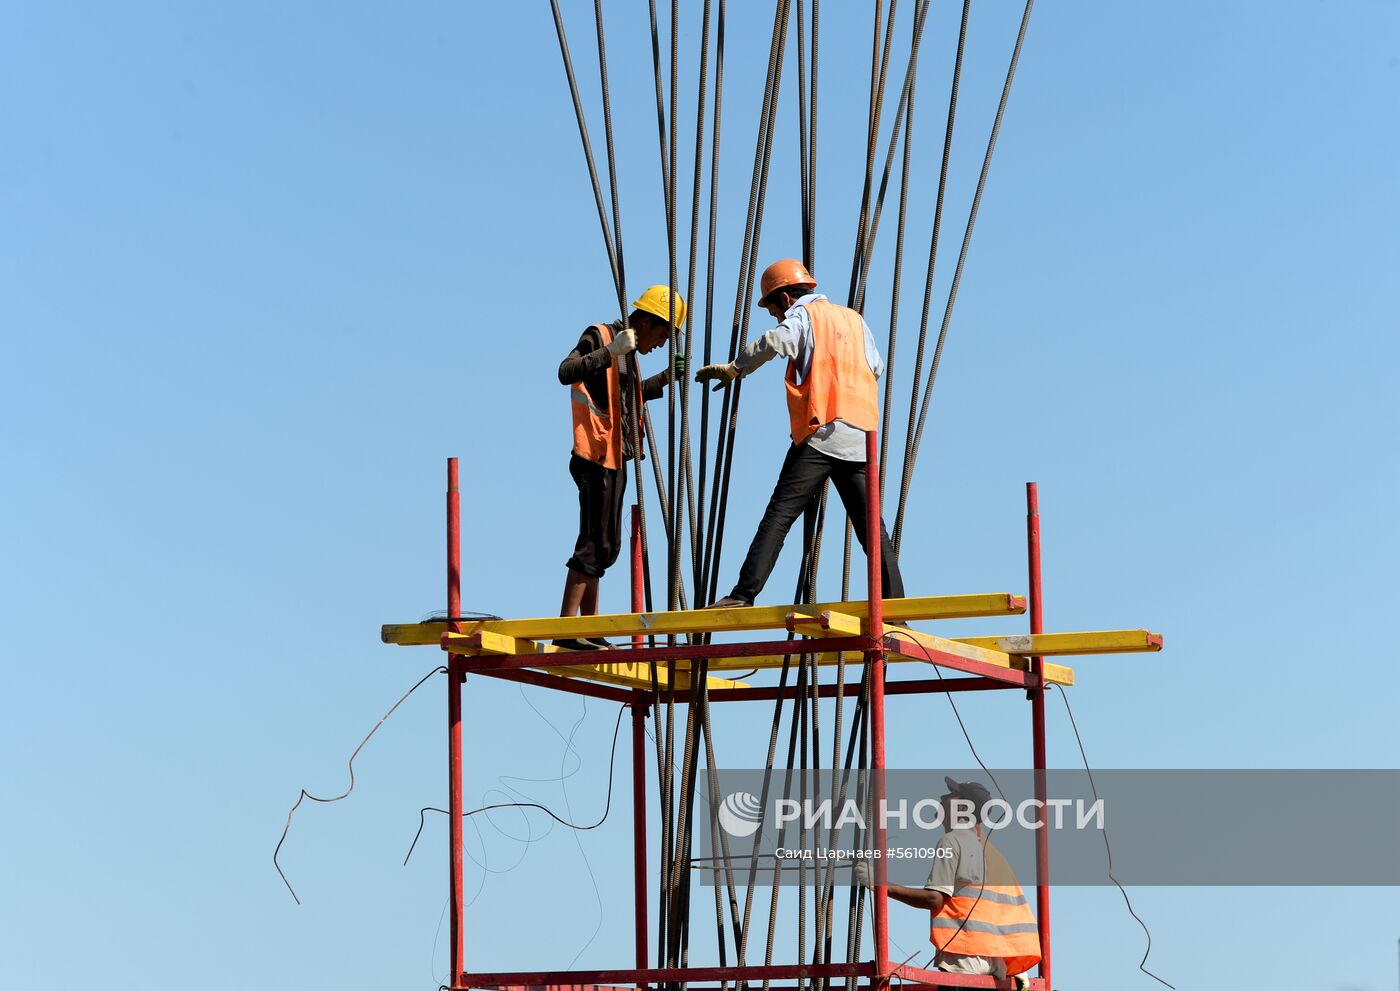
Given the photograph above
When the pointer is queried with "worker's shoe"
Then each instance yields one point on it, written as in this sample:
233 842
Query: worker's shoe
598 643
730 602
578 643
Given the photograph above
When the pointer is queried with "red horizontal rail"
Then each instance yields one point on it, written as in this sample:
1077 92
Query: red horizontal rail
645 655
769 693
763 693
664 975
590 688
618 980
932 655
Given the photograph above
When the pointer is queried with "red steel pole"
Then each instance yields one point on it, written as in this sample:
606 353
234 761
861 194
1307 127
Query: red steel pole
1037 696
876 659
455 676
639 762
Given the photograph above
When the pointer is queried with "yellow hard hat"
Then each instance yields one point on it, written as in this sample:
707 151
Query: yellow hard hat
657 302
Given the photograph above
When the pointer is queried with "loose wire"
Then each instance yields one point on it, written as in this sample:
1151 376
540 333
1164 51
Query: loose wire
607 806
1142 964
350 765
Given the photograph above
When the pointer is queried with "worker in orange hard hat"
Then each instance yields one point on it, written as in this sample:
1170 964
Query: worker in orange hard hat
833 400
978 916
595 374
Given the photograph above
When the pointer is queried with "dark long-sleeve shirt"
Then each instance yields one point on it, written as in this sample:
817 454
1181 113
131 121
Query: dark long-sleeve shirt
588 363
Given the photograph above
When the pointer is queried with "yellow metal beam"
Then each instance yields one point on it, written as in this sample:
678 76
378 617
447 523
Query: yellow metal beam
1063 644
633 674
709 620
1054 673
1021 644
627 674
826 623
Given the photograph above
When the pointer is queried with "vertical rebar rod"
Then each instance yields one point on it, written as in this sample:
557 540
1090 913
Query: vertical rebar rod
639 761
875 660
1037 698
454 720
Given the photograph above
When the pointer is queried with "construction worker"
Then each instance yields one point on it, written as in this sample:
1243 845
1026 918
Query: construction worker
594 373
833 400
978 917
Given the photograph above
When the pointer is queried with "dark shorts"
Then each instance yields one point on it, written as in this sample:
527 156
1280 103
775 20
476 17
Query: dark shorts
600 495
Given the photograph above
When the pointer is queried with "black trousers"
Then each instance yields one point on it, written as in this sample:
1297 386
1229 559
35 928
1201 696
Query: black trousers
600 496
804 471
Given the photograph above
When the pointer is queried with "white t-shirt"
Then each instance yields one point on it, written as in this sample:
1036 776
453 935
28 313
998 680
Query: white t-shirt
792 339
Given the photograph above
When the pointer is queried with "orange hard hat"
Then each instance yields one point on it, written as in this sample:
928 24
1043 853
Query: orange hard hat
781 274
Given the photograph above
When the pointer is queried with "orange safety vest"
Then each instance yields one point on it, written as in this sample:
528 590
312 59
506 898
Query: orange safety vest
840 384
989 920
598 432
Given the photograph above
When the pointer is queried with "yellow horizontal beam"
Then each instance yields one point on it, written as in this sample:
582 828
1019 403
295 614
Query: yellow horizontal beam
627 674
1022 644
709 620
826 623
1056 674
1062 644
634 674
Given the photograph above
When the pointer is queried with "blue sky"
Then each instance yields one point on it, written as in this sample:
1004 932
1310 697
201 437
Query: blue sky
263 267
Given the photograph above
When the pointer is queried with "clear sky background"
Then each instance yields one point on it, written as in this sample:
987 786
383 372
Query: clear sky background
264 266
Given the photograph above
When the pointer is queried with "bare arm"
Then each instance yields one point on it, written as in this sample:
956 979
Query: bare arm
918 897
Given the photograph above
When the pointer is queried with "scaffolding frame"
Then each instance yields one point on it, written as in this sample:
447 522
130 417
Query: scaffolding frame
518 650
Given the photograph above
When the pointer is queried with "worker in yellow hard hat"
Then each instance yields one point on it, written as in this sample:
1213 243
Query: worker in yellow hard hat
597 378
833 400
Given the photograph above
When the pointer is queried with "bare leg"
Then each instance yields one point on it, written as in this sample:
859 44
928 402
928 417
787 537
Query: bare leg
576 594
580 599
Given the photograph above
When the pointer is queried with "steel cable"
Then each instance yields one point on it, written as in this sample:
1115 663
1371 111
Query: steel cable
350 768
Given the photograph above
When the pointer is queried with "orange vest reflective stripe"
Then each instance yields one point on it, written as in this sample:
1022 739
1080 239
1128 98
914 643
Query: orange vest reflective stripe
991 920
840 384
598 432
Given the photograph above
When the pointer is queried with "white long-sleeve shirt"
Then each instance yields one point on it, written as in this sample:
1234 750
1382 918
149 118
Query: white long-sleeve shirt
792 339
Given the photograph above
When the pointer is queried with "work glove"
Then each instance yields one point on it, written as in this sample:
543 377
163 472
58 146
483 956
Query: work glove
624 343
678 367
722 374
861 875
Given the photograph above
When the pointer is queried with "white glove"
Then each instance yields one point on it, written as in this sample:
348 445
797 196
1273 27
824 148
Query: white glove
723 374
624 343
860 875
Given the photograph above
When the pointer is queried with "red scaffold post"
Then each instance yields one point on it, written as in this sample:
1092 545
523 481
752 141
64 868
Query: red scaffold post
454 719
1037 697
639 760
875 657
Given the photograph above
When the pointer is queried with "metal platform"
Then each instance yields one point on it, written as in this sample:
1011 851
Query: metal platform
655 666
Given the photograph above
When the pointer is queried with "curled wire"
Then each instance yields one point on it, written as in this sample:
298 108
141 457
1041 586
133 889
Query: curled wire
607 807
1142 964
350 765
